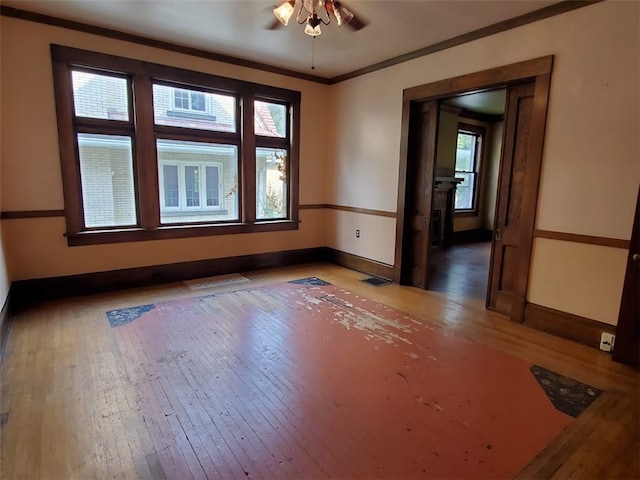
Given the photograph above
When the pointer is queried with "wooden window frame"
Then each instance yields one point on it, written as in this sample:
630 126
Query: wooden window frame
144 133
481 132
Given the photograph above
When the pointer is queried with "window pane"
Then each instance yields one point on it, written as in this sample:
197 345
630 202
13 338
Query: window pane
213 186
271 183
198 101
191 182
270 119
100 96
106 170
465 152
181 98
170 182
464 191
205 177
178 107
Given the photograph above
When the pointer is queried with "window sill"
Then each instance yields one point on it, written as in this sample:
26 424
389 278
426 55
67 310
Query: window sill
466 213
99 237
192 114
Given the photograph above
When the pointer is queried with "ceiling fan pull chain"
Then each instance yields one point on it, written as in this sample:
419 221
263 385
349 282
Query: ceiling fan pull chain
313 53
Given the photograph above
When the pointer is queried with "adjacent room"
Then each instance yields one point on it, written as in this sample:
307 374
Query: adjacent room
315 239
467 165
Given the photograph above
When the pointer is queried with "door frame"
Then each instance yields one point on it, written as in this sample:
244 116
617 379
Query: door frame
537 70
625 349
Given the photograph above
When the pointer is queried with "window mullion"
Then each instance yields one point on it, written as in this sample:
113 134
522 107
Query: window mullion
182 187
293 129
146 162
248 156
72 186
202 178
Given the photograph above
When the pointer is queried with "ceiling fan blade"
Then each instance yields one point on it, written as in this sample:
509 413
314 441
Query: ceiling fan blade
347 16
357 23
274 25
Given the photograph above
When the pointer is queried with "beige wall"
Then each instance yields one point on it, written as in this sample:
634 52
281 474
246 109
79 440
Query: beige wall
581 279
30 256
590 171
490 176
31 178
589 178
377 235
447 143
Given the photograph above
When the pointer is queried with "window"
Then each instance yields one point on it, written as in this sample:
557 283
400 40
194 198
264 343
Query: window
185 186
179 107
106 171
197 182
152 152
468 154
188 100
271 175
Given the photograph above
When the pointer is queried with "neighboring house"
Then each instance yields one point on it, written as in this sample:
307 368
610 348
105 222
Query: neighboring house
197 180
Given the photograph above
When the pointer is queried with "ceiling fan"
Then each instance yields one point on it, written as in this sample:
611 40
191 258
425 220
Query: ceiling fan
314 13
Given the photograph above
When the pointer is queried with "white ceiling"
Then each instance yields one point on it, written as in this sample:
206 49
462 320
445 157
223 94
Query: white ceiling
490 103
236 27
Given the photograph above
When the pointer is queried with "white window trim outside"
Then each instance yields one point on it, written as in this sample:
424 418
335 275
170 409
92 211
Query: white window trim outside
475 160
104 140
182 190
189 92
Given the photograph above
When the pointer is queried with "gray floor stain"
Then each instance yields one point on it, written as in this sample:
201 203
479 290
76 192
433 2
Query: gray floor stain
124 316
566 394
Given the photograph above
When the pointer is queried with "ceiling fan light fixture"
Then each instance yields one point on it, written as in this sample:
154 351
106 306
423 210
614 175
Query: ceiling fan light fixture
343 15
284 12
311 30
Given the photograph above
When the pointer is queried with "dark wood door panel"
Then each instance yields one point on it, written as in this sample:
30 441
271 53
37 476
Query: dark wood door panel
504 300
418 223
518 169
627 346
508 271
420 165
513 175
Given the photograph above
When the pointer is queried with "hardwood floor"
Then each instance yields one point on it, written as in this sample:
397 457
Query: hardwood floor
68 409
461 271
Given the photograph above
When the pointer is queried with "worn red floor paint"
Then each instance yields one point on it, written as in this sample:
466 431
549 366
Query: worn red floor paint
301 381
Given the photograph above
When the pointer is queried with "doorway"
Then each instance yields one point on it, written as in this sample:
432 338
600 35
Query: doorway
469 146
527 86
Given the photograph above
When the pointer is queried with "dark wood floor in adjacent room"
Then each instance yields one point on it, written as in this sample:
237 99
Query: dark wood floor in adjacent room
268 379
461 271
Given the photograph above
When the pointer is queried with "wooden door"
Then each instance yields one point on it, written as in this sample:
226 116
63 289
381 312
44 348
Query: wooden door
420 166
511 185
627 346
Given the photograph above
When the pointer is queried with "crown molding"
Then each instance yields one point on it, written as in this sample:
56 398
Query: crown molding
540 14
153 42
515 22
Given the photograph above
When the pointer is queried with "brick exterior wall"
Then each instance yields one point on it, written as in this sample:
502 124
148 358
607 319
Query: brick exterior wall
107 185
99 96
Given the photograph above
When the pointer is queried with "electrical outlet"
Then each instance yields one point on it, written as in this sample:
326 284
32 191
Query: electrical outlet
606 341
357 233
